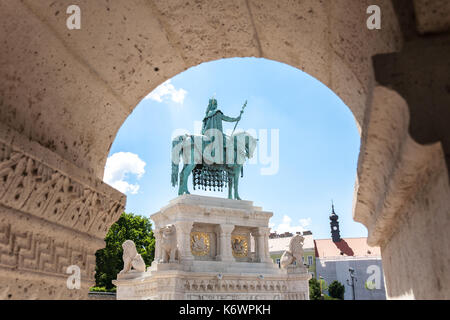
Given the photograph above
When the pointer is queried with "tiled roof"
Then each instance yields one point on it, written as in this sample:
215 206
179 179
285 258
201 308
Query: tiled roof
282 244
354 247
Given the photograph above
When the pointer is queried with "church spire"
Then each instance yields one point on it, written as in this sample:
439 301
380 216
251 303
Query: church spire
334 223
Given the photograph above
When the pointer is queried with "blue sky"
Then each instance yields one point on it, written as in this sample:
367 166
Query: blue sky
318 142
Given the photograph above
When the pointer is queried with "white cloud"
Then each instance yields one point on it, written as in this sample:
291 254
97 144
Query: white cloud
286 225
117 168
167 90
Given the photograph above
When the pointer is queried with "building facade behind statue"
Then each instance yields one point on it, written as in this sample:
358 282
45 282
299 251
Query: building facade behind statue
333 261
342 259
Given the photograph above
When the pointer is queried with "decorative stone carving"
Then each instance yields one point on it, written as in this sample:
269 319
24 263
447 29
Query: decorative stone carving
37 252
239 245
295 252
169 244
200 243
30 186
131 258
210 287
52 216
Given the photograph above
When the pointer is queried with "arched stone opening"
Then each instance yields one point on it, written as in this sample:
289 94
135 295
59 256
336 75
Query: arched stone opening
130 138
66 93
120 62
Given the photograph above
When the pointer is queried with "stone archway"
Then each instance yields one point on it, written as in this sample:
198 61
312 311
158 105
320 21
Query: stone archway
67 92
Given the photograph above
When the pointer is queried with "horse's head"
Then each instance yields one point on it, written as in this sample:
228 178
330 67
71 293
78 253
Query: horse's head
250 145
246 143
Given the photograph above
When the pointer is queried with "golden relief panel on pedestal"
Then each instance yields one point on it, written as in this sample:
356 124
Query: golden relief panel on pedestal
200 244
239 244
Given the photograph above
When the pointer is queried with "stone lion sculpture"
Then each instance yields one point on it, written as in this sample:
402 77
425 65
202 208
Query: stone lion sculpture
131 258
169 250
295 252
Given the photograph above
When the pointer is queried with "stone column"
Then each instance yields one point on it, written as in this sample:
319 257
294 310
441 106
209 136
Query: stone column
258 245
224 237
266 245
262 244
183 229
157 235
249 246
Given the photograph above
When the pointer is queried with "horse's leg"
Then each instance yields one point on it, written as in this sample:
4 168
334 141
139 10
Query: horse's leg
236 172
183 183
187 169
180 185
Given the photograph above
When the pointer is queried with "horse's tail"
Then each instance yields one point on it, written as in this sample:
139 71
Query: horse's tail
176 153
174 174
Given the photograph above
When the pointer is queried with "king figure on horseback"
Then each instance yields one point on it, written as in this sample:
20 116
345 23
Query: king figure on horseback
214 159
214 117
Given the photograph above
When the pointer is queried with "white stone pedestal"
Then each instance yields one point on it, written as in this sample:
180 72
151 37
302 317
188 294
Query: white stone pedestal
222 254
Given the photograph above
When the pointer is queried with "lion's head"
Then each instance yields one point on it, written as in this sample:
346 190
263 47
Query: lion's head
168 230
129 249
296 244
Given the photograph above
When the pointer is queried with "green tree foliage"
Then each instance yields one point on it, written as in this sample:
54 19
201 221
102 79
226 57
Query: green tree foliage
314 289
336 290
109 260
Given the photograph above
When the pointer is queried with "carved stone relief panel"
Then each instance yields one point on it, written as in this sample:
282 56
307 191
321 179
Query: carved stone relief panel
203 241
240 246
31 186
200 243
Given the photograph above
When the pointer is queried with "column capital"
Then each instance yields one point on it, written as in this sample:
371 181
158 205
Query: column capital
225 228
184 226
261 231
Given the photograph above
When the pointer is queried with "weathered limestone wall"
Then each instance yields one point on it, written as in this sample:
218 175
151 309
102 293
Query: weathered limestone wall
405 204
51 216
420 246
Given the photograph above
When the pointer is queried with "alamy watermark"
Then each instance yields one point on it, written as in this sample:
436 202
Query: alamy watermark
258 146
74 20
374 20
374 280
74 280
